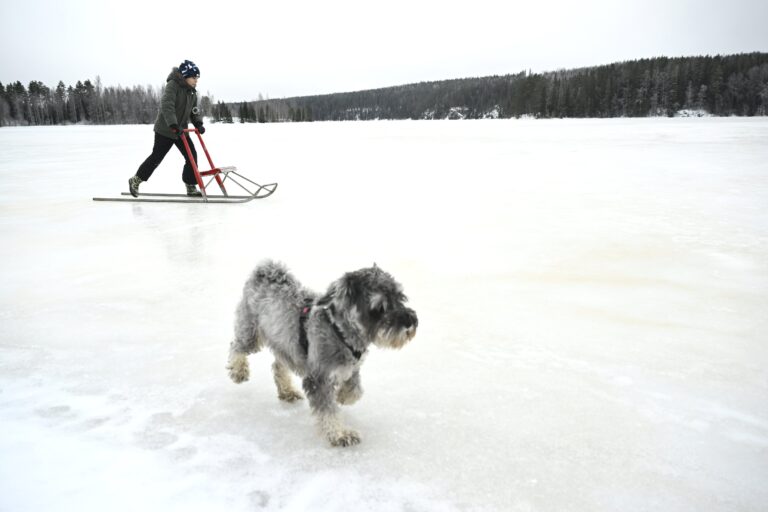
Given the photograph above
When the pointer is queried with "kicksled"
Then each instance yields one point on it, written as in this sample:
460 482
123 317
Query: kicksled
218 174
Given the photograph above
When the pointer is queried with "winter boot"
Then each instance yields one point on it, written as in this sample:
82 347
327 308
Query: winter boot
192 191
133 185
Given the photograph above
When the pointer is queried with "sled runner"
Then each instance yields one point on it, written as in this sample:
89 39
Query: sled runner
219 174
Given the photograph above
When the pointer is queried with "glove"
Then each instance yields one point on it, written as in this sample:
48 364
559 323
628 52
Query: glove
175 129
200 128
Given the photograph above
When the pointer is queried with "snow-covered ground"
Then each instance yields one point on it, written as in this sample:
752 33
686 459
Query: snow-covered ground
592 298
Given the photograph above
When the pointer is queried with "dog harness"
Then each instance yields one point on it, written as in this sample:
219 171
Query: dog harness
304 339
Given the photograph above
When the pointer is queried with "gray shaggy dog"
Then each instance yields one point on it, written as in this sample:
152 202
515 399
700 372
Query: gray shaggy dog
323 339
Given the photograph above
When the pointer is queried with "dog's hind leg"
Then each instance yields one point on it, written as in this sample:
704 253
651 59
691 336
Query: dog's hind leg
285 390
321 394
237 364
246 342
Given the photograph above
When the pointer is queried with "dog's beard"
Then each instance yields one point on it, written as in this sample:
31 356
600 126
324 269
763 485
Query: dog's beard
394 337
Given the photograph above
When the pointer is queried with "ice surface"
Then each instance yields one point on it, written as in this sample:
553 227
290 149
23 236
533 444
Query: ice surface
592 300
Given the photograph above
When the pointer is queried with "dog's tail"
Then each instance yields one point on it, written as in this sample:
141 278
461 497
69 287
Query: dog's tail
270 272
275 281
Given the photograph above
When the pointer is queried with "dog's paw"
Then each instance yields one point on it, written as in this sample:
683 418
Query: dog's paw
344 438
290 396
349 395
238 369
238 377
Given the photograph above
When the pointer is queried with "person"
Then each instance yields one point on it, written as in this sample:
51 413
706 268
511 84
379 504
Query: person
178 107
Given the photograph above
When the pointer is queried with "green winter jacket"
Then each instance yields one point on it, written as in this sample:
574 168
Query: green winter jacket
177 106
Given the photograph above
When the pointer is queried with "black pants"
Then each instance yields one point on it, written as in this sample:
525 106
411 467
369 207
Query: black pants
162 145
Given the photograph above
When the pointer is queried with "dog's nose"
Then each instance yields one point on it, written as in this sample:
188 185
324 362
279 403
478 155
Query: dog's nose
410 319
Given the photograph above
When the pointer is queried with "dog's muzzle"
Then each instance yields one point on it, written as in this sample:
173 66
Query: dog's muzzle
407 319
399 329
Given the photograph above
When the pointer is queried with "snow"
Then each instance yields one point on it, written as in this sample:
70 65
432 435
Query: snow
692 113
591 298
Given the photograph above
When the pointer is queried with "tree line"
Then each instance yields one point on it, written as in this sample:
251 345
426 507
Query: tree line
268 112
715 85
662 86
87 102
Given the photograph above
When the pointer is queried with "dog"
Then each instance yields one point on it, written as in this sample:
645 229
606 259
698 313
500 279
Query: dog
323 339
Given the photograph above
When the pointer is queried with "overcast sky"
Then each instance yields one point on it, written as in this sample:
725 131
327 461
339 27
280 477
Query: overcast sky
290 48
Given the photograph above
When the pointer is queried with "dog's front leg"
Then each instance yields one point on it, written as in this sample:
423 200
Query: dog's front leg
321 394
351 390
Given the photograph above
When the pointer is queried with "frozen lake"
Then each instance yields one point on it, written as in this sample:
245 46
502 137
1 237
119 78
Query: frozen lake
592 300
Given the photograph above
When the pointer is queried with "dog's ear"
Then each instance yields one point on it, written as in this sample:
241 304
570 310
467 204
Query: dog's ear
350 288
345 290
329 295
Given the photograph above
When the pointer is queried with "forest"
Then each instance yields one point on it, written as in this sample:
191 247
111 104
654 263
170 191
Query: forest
705 85
719 86
85 103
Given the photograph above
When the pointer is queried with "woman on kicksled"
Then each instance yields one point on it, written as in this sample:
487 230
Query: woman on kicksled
177 108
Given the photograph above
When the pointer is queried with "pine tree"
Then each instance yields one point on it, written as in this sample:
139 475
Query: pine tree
206 103
60 102
72 105
690 99
18 100
5 110
701 98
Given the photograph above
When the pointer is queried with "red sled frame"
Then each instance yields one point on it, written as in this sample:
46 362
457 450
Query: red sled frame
260 191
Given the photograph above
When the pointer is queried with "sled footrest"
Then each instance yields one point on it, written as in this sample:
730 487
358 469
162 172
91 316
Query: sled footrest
219 170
